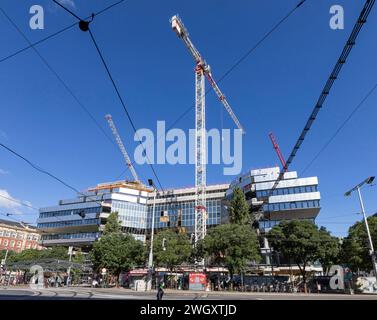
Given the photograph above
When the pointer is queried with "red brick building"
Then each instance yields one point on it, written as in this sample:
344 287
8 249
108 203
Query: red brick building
17 237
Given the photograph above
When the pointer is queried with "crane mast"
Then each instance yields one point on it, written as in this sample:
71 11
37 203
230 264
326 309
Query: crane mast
118 140
202 71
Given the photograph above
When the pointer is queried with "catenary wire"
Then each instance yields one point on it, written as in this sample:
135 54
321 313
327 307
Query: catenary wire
362 19
114 85
19 202
324 147
64 84
56 33
237 63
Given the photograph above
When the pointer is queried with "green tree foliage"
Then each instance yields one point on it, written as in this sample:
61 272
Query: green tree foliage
34 255
112 224
239 209
117 252
302 242
176 250
355 247
329 250
230 245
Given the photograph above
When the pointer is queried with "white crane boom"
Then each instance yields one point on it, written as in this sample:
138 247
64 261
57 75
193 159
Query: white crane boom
121 147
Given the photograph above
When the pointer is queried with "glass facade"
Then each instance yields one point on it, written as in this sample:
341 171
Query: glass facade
69 223
60 213
68 236
291 205
185 209
131 215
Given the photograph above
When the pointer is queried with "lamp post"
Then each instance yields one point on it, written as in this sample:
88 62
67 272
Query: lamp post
372 253
150 260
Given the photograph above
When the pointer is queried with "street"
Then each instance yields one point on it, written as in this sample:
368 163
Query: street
76 293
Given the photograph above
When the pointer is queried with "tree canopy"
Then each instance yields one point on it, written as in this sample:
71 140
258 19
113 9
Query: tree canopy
239 209
304 243
116 251
231 245
173 251
355 247
112 224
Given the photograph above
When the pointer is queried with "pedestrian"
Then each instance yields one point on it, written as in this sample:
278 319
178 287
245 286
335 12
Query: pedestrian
160 291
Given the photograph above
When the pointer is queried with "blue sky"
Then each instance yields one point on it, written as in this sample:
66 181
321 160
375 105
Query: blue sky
273 90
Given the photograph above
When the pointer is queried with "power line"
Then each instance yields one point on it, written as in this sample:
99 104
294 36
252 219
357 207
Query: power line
57 33
239 61
19 202
122 103
69 90
64 84
9 215
38 42
84 26
38 168
358 106
330 81
244 56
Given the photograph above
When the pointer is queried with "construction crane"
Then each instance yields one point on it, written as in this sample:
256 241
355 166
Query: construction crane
126 157
278 151
202 70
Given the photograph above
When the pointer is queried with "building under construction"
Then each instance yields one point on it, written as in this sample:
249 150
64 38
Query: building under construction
79 221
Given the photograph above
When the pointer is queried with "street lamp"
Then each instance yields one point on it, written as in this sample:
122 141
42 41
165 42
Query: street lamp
372 253
150 260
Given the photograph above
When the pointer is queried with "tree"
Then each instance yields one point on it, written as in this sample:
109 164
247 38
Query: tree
329 250
301 241
117 252
231 245
239 209
34 254
112 224
171 249
355 247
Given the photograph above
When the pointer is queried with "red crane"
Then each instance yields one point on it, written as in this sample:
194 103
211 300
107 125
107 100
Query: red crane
277 149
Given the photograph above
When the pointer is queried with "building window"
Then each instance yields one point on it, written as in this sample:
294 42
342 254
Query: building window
1 233
12 243
18 244
5 242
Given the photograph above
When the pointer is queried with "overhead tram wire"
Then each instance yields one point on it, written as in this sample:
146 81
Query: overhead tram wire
39 169
240 60
362 19
45 172
84 26
243 57
123 104
56 33
19 202
64 84
324 147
